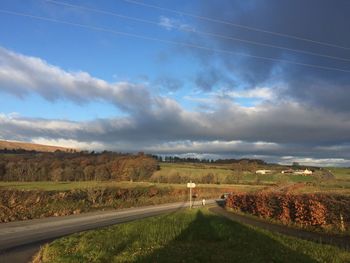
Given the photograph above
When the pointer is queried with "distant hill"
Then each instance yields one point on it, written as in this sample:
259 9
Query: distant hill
11 145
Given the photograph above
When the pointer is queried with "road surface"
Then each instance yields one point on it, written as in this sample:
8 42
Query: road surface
20 240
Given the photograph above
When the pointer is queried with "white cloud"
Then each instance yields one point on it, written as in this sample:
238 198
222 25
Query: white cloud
330 162
166 23
263 93
170 23
215 146
21 75
38 124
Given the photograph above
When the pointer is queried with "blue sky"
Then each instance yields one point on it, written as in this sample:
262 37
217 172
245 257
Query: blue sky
103 55
92 88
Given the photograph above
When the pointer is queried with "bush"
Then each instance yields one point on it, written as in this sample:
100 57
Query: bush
317 210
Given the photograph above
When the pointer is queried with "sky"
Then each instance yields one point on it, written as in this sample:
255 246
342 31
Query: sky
267 79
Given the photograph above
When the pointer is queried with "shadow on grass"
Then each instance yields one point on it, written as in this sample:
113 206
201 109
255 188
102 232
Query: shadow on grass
211 238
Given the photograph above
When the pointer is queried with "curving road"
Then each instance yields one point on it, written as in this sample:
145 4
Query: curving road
20 240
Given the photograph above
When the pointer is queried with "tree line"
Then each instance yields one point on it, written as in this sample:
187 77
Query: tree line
176 159
80 166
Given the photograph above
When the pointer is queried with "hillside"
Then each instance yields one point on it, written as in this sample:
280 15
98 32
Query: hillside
11 145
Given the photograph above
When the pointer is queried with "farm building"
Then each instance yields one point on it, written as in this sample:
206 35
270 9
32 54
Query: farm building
300 172
288 171
303 172
263 171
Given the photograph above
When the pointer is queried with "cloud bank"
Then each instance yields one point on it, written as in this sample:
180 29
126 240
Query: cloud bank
22 75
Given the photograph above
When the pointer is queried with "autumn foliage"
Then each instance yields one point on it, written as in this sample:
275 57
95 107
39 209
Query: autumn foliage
319 210
60 166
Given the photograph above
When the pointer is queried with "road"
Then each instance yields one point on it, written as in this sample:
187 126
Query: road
20 240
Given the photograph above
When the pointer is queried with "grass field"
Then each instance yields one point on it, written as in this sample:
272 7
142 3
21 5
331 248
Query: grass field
223 173
341 173
187 236
64 186
245 182
13 145
327 187
248 182
339 185
195 172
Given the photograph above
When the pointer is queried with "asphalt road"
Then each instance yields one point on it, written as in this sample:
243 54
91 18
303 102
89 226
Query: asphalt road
20 240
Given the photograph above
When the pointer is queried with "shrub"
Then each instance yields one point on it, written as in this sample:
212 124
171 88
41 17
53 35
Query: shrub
317 210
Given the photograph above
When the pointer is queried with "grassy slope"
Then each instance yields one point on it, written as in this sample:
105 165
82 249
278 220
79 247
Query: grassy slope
11 145
341 173
340 184
188 236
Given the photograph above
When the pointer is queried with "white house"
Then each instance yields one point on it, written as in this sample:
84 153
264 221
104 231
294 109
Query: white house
288 171
303 172
307 172
263 171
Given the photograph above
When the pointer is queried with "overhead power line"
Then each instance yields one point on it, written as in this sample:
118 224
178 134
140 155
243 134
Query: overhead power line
230 38
184 44
209 19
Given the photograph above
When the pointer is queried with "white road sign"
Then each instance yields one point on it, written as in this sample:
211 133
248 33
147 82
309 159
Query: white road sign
191 185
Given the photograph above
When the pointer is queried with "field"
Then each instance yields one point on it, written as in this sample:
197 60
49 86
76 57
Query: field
341 173
187 236
11 145
64 186
340 184
226 174
221 173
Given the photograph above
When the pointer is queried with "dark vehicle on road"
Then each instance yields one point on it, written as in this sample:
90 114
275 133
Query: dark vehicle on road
224 196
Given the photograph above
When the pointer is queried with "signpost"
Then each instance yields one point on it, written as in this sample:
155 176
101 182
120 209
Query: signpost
191 185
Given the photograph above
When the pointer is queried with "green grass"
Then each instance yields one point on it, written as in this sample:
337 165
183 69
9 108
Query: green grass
247 181
65 186
222 172
341 173
186 236
277 178
193 171
339 185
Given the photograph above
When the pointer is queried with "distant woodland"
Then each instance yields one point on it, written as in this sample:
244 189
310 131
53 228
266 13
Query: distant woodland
32 165
176 159
81 166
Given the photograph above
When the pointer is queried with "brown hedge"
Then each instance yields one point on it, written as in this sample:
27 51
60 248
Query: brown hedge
307 209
